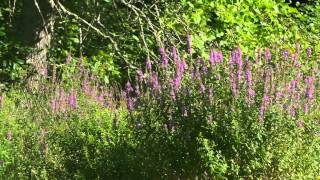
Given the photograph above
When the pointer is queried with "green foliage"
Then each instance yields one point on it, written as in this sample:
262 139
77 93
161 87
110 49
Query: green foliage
247 23
12 52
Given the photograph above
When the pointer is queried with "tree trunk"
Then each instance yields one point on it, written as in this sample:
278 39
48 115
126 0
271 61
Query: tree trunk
34 30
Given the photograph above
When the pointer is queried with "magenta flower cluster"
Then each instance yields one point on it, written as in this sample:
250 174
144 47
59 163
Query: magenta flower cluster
256 82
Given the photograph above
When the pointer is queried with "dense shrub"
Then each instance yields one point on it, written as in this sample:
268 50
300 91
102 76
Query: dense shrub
228 116
235 117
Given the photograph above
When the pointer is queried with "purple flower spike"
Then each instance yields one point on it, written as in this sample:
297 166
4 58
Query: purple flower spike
220 57
54 105
85 87
251 92
155 83
128 87
189 43
184 65
210 94
137 90
211 59
164 58
261 112
140 76
310 87
295 58
62 100
129 104
239 64
172 91
300 123
309 52
202 88
174 55
285 54
267 55
148 64
73 99
233 81
204 66
177 83
100 99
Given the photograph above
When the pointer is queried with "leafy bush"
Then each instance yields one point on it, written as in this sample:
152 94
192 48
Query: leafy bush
241 117
227 116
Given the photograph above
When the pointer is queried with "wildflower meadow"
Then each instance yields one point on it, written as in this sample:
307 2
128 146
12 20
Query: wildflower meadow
160 90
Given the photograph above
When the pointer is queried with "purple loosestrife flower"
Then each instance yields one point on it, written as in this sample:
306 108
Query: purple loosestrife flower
267 55
140 76
285 55
292 111
137 90
129 103
184 65
54 105
309 52
210 95
62 101
172 91
177 83
211 58
263 106
251 92
279 95
164 58
295 58
178 65
306 107
155 82
189 43
73 99
148 64
202 88
310 87
238 54
239 71
262 110
232 78
300 123
94 92
204 66
219 57
85 87
174 55
128 88
248 73
293 86
192 73
100 98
